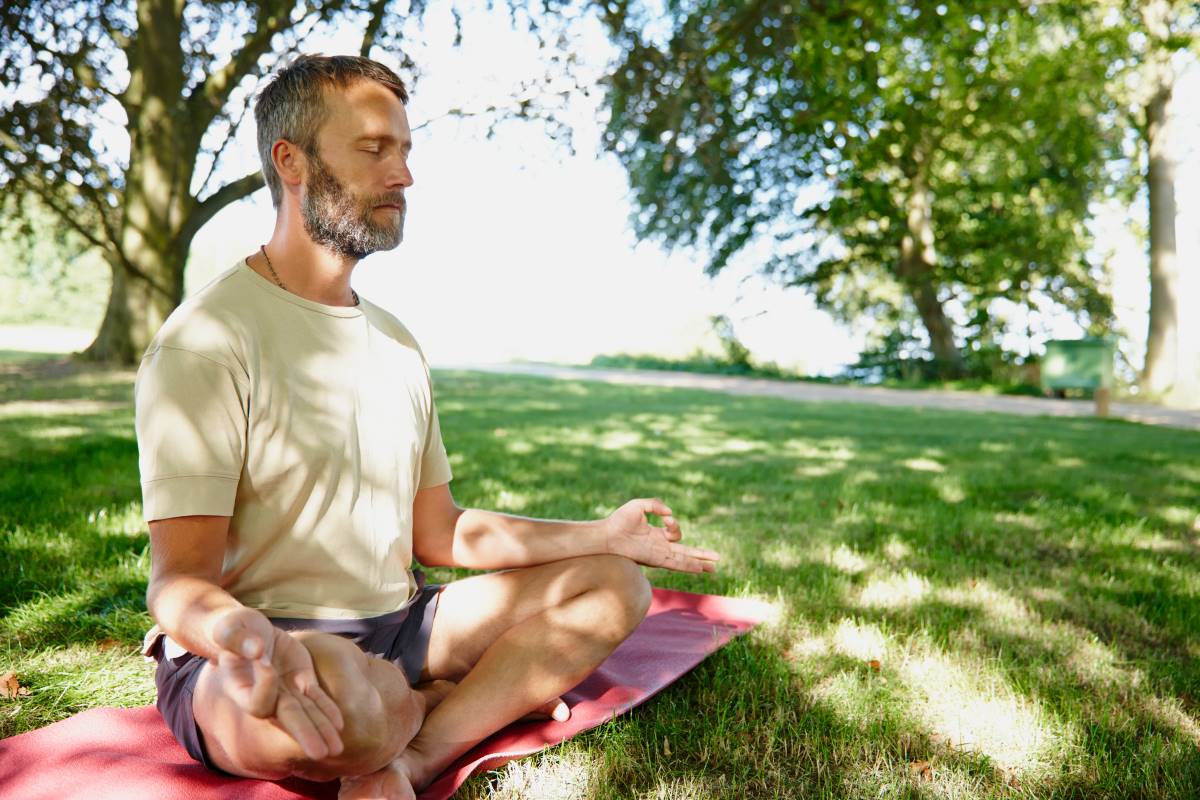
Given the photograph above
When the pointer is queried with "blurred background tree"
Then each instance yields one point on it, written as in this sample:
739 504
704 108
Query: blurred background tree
117 115
956 148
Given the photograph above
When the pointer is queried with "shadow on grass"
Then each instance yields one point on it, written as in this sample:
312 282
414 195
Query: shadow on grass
1041 571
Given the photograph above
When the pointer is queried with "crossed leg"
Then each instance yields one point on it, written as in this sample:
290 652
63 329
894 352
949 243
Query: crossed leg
513 641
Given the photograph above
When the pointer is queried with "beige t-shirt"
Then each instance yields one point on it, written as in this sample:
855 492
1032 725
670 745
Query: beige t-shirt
312 426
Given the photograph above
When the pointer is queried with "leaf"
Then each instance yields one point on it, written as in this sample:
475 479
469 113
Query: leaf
10 687
921 769
108 644
666 747
874 665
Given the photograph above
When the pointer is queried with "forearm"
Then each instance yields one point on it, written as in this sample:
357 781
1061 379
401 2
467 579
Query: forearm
186 607
494 540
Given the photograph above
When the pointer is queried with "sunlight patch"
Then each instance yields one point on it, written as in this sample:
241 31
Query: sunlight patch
894 591
58 408
991 719
951 490
1161 544
923 465
896 550
860 641
554 777
783 554
519 448
1019 519
511 501
848 561
619 440
1177 515
57 432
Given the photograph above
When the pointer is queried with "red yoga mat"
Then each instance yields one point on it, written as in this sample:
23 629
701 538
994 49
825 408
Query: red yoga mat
128 753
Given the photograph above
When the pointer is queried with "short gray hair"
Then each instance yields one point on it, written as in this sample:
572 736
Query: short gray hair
292 106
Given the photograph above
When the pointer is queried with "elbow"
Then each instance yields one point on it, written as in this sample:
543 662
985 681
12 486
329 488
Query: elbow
436 548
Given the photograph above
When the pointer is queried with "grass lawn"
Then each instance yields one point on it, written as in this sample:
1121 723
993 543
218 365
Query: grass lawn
969 605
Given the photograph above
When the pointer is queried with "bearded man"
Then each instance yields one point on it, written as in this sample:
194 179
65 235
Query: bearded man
292 466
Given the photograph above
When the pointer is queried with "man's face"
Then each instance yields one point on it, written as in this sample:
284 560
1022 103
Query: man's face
366 141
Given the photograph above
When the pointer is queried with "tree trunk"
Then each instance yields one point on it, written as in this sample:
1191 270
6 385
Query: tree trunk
1160 373
152 243
918 259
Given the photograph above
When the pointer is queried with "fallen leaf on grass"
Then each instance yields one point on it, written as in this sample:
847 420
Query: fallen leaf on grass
666 747
108 644
1009 776
874 665
10 687
921 769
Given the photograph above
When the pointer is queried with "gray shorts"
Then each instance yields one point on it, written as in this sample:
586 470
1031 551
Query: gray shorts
401 637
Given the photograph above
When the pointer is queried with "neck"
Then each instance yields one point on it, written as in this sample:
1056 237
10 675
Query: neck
305 268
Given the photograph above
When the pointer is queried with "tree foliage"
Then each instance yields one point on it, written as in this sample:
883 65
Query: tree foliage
117 117
910 161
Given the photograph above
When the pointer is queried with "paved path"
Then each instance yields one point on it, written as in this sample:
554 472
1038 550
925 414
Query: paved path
822 392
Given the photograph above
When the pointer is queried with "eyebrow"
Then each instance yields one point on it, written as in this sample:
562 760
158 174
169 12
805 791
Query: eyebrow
406 145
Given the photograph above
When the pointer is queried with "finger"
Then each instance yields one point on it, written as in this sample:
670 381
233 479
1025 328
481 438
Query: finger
671 529
289 713
264 691
691 559
322 723
236 638
653 505
310 688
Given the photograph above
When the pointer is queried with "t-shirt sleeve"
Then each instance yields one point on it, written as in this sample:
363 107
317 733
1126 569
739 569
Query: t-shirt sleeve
435 466
190 416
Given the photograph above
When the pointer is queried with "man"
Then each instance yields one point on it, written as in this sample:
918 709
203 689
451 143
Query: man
292 466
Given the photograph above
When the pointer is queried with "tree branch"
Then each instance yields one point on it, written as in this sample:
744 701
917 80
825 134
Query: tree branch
378 10
229 193
272 18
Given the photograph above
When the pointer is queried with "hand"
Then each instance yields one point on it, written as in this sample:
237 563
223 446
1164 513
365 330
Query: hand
271 674
628 534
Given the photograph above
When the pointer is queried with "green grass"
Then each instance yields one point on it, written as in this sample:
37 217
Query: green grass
1030 588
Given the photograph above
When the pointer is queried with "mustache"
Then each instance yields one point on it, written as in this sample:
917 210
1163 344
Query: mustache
390 200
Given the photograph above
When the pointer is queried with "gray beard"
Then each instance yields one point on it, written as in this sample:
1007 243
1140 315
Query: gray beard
333 219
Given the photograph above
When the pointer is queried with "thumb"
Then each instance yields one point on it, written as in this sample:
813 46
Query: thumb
232 634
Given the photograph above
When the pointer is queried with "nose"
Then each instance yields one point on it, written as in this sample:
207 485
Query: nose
399 175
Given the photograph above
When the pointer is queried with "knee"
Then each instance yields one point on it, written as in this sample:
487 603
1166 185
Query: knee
381 712
626 590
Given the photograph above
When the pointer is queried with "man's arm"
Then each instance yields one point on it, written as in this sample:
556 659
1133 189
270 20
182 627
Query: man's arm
446 535
269 670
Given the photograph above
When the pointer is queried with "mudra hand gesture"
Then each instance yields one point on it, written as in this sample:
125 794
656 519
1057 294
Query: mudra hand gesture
271 674
628 534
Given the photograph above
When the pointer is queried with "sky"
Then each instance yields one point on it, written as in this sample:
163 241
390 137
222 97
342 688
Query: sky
516 249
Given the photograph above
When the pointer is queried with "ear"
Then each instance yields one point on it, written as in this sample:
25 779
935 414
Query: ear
290 163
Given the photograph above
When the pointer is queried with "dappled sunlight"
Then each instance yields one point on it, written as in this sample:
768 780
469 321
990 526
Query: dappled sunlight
57 432
1178 515
950 489
923 465
785 555
1020 519
896 550
1157 543
564 775
847 561
973 710
995 447
894 590
862 641
59 408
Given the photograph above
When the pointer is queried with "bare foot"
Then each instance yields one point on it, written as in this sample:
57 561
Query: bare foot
389 783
